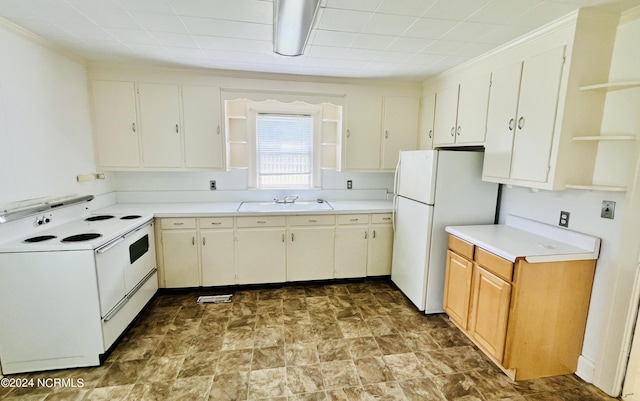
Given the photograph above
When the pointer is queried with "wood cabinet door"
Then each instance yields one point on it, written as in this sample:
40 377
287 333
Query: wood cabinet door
217 257
473 101
362 137
261 255
444 125
351 251
310 253
501 121
425 131
203 142
114 112
400 130
489 312
380 250
457 288
180 255
537 106
160 125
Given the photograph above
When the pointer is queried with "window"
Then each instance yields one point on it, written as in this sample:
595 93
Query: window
284 151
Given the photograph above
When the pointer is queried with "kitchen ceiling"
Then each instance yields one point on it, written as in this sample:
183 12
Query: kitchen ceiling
394 39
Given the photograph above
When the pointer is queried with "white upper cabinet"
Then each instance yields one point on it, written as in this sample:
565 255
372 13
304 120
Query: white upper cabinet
378 128
160 125
461 113
400 128
362 137
425 131
116 124
203 138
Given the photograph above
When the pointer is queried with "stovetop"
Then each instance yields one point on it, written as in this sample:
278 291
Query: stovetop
86 233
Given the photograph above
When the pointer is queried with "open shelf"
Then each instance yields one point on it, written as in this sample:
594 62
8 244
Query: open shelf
597 188
605 138
611 86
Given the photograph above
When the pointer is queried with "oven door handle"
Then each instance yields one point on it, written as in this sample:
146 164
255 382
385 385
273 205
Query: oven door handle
130 233
110 245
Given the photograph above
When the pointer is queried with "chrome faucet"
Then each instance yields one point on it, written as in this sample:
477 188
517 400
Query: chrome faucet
287 199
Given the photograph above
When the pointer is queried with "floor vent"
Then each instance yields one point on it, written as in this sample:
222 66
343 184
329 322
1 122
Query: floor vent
214 299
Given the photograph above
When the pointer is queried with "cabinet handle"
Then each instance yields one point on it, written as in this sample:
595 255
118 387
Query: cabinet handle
386 218
348 133
354 219
178 224
453 131
313 221
386 134
216 223
133 127
459 129
193 240
177 129
512 124
292 237
430 133
520 122
260 221
282 237
365 235
374 234
218 130
204 241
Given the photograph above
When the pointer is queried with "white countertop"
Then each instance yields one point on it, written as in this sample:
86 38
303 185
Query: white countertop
231 209
512 242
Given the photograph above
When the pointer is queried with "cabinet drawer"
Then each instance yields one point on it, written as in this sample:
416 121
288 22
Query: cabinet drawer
313 220
177 223
381 218
216 222
353 219
261 221
495 264
461 247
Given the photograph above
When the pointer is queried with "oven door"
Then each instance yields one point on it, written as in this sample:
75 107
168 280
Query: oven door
140 256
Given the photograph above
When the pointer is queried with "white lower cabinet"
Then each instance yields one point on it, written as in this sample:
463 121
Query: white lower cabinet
380 246
217 251
261 255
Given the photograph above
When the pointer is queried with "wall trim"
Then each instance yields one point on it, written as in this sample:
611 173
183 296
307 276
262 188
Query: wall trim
630 15
586 369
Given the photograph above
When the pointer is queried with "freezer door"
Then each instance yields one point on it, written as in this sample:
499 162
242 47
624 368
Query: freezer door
416 175
411 249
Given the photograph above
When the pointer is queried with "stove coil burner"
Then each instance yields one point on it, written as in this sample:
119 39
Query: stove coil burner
99 218
82 237
39 238
130 217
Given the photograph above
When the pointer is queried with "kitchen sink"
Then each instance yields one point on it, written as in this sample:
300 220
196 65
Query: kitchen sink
298 206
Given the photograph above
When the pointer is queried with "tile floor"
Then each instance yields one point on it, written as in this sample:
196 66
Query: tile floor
353 341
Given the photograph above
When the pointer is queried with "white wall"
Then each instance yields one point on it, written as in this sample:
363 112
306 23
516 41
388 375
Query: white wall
45 123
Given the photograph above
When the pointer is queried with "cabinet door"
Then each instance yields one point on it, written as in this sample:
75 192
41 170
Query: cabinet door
501 121
457 288
380 250
400 128
351 251
217 257
160 125
473 101
203 143
489 311
180 254
114 112
362 138
539 90
310 253
444 125
425 132
261 256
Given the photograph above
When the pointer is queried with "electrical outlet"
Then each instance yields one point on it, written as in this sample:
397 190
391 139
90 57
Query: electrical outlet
608 208
564 219
349 184
212 185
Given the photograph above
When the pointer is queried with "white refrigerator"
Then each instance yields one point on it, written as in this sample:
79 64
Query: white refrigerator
434 189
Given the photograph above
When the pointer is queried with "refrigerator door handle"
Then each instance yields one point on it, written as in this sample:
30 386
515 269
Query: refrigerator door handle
396 176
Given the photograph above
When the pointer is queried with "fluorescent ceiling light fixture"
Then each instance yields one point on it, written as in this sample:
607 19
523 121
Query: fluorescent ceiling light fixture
292 21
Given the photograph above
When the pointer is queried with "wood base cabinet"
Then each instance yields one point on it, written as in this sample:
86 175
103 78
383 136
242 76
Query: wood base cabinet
529 318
